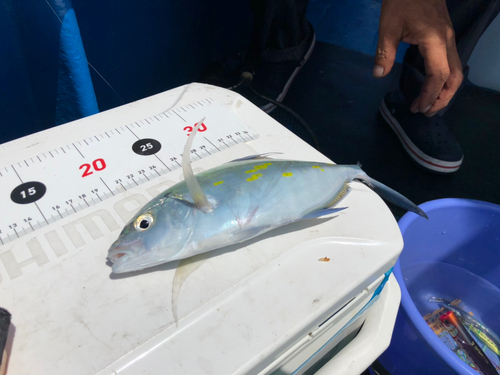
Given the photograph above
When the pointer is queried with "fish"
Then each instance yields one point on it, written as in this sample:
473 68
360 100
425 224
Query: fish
233 203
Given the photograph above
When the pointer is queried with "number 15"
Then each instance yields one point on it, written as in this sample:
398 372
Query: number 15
31 191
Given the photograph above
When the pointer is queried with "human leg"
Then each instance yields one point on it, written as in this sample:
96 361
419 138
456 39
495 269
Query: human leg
281 42
427 140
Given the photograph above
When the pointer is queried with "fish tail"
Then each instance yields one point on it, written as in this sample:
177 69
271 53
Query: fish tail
389 194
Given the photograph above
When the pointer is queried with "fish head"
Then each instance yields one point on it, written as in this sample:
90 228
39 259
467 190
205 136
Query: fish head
152 237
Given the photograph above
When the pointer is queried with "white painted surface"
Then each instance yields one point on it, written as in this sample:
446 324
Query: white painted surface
242 309
373 339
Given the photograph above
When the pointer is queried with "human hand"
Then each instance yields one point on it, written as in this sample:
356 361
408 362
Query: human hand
424 23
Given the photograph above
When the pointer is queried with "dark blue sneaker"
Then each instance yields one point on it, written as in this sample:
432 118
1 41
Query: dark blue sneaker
427 140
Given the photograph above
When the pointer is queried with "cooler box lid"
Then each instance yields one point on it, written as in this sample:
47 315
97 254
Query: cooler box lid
238 311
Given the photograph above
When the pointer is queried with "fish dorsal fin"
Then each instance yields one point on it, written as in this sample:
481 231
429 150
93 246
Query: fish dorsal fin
255 157
199 197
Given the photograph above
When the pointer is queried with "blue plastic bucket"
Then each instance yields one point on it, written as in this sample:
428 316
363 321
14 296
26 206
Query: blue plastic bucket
454 254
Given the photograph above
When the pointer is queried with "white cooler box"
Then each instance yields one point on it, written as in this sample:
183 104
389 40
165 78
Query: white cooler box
273 305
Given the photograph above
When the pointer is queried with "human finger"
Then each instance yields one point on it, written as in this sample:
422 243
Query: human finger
437 71
387 47
454 80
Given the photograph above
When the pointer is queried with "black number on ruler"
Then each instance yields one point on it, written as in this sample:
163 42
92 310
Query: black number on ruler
146 146
28 192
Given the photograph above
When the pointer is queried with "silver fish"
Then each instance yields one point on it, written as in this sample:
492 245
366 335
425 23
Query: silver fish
233 203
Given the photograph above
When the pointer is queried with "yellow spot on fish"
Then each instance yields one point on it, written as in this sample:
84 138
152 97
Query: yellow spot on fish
262 166
287 174
218 183
254 177
318 167
259 167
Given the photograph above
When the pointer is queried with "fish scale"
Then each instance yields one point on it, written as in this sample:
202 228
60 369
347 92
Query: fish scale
248 198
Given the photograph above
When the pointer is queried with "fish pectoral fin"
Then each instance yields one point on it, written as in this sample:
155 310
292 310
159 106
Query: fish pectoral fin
257 156
195 190
182 200
322 212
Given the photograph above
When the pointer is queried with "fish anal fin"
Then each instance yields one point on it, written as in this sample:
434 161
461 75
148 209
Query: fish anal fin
185 268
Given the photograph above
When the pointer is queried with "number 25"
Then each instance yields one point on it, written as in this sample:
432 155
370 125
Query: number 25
147 146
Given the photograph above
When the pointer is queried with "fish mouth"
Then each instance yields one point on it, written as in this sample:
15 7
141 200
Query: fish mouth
120 253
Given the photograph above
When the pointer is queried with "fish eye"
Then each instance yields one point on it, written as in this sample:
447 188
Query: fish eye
143 222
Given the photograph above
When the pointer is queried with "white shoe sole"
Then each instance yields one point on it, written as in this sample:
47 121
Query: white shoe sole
416 154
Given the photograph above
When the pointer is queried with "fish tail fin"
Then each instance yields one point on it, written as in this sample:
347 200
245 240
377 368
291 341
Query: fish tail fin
390 195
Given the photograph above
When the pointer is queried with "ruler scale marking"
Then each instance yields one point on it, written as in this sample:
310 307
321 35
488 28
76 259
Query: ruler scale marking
102 162
106 185
41 213
179 116
78 151
20 179
132 132
212 143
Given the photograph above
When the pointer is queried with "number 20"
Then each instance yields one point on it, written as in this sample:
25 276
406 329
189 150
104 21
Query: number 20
98 164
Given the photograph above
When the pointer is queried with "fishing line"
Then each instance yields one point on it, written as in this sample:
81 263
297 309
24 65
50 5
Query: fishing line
88 63
247 77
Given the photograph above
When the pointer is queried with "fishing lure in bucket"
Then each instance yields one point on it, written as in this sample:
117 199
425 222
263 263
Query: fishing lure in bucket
233 203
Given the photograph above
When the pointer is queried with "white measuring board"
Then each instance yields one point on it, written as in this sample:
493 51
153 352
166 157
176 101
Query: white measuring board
59 182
